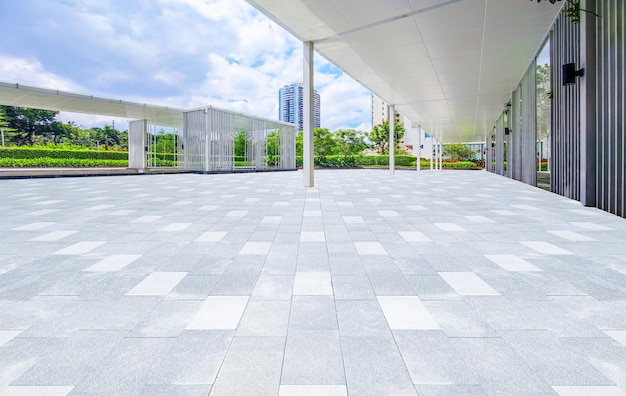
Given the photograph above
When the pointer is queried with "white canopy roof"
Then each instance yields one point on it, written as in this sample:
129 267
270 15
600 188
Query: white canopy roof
449 65
48 99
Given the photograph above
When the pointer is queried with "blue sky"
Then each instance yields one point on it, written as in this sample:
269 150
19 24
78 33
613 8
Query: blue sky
180 53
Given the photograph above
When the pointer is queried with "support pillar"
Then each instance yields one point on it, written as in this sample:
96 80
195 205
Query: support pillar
392 139
307 115
588 133
137 131
208 130
434 152
441 156
419 147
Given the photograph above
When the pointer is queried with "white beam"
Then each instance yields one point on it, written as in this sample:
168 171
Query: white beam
307 115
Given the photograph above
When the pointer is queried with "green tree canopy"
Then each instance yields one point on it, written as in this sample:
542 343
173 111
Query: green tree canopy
241 143
544 102
461 152
28 123
350 142
324 142
5 128
106 136
380 136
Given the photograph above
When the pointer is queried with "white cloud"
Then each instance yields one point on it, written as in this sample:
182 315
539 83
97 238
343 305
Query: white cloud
179 53
364 127
31 72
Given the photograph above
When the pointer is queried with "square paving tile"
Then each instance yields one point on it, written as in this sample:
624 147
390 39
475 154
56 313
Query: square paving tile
433 283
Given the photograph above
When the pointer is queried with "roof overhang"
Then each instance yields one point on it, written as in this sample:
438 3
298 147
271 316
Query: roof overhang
448 65
48 99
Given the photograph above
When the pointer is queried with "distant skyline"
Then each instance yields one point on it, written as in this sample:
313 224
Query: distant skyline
179 53
291 105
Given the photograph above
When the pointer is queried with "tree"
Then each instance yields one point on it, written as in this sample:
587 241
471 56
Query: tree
106 136
299 143
165 142
572 9
28 123
380 136
241 143
62 133
461 152
324 142
543 101
350 142
273 143
4 125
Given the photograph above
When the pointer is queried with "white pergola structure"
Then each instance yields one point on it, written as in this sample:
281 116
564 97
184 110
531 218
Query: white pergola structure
448 65
208 133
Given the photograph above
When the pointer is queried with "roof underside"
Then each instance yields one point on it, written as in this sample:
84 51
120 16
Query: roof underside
47 99
449 65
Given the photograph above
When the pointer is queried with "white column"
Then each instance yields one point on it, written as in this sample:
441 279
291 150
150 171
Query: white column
433 151
419 147
392 138
208 122
307 115
137 131
440 155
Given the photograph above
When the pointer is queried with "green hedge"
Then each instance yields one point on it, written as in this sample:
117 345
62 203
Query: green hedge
59 163
34 153
358 161
162 156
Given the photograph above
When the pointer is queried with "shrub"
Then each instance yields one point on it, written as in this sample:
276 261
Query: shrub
34 153
358 161
59 162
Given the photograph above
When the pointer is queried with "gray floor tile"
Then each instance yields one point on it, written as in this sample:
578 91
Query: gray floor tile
265 319
313 357
175 390
451 390
555 361
126 369
273 287
486 358
374 367
313 313
459 319
432 359
252 366
78 356
166 319
352 287
546 331
184 365
361 318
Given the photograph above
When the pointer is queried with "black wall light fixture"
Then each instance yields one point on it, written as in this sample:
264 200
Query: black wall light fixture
507 131
570 73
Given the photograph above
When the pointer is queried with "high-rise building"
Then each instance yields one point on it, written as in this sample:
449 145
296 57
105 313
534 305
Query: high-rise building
380 112
291 103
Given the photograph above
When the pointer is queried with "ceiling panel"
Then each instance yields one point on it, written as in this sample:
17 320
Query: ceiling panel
448 21
447 64
360 15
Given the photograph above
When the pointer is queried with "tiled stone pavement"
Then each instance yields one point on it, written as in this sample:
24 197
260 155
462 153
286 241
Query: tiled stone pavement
438 283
